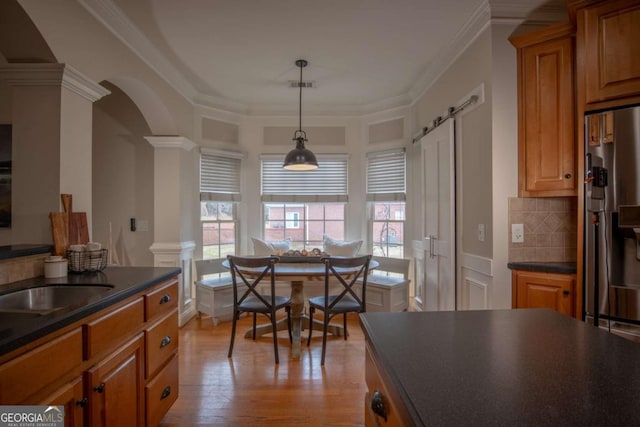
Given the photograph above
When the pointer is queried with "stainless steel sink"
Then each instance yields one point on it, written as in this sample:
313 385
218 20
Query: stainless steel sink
47 299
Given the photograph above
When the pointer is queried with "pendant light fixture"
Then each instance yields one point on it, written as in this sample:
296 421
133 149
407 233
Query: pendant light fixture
300 159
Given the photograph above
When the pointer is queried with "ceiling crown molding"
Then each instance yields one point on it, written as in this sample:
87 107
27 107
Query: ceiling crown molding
553 11
82 85
467 34
52 74
171 142
489 10
32 74
122 28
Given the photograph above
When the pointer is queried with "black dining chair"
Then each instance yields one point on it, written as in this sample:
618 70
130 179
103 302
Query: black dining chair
246 275
350 296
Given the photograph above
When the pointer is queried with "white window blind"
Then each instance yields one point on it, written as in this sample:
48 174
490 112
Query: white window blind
386 176
326 184
220 176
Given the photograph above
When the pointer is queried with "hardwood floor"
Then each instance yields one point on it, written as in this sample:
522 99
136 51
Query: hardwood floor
249 389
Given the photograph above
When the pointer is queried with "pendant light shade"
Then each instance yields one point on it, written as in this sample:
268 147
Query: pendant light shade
300 158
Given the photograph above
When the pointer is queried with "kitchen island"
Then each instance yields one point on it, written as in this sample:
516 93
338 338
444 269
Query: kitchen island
503 367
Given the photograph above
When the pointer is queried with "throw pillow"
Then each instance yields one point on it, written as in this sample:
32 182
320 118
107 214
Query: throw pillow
341 248
273 247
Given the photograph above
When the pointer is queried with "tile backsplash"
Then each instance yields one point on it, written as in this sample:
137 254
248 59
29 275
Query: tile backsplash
14 269
550 229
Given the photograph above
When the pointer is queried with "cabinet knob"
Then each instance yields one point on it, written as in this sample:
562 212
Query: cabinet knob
165 299
166 392
165 341
82 402
566 293
567 175
99 388
377 405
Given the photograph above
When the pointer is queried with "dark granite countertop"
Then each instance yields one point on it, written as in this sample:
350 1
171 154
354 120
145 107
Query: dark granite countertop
545 267
505 367
18 329
14 251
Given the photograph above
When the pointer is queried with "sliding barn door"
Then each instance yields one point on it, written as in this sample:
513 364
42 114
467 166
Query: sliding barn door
438 183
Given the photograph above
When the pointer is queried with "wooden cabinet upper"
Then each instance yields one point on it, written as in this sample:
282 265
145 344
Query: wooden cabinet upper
609 42
546 117
531 289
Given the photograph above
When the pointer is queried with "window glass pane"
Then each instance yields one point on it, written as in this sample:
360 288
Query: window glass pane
227 233
304 224
219 229
334 211
388 229
316 210
335 229
316 233
225 212
208 211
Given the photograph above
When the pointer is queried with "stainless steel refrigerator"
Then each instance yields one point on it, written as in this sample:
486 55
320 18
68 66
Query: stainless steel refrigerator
612 220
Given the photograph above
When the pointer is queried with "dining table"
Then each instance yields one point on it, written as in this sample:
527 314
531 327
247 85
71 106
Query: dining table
297 271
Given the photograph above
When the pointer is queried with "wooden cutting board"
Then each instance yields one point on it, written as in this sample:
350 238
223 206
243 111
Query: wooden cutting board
60 229
78 230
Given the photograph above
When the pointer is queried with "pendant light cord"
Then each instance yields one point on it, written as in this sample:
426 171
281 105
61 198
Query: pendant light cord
300 102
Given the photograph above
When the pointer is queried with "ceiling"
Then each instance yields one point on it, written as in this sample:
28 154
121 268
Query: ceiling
363 55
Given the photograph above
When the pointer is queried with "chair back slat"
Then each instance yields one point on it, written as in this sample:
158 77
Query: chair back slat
249 272
347 271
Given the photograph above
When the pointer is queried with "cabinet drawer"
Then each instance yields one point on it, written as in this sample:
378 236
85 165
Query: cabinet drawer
375 384
161 341
161 392
108 331
26 374
161 300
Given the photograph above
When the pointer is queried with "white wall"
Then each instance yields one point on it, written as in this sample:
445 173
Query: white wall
504 155
122 179
487 137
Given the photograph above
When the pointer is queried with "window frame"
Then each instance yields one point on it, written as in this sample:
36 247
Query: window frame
307 244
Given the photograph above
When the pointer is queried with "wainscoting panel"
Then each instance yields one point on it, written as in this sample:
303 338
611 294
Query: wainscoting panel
475 282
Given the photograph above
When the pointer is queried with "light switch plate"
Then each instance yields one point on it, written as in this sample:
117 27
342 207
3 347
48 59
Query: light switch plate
517 233
481 232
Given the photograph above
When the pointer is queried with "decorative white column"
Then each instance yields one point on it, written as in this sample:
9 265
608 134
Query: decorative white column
52 119
173 179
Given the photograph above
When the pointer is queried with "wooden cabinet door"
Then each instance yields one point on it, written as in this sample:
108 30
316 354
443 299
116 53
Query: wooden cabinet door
115 387
71 396
546 100
545 290
611 38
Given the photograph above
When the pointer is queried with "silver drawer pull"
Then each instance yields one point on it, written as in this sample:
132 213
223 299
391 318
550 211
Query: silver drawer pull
377 405
166 392
165 341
